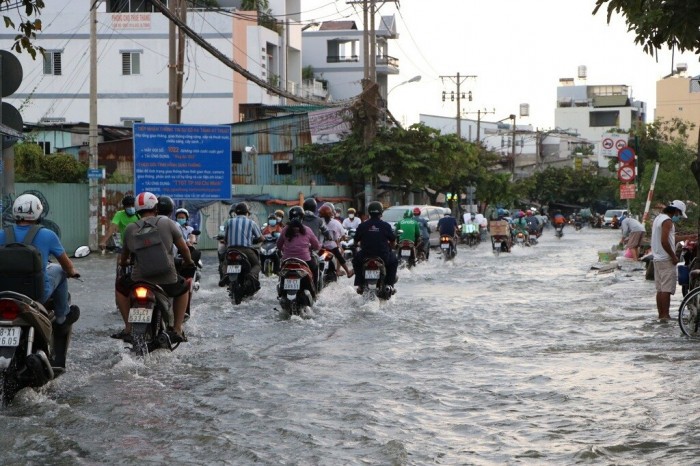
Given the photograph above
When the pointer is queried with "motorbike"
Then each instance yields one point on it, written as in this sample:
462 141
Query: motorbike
501 239
521 240
347 245
447 246
327 268
373 279
558 231
295 289
236 268
532 237
470 234
687 257
151 317
269 255
407 253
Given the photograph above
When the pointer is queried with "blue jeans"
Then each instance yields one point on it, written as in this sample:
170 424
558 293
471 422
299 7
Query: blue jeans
56 286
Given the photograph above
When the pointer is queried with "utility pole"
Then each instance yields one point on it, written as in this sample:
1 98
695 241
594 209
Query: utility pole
478 121
93 240
176 59
458 80
512 166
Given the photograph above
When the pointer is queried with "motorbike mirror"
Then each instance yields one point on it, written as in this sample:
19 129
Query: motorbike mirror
399 232
264 225
82 251
196 232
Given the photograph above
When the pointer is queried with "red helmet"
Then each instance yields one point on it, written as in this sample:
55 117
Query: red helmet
325 211
416 211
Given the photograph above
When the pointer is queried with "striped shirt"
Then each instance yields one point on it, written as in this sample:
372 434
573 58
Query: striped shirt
241 231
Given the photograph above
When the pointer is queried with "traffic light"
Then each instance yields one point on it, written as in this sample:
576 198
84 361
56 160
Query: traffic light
11 72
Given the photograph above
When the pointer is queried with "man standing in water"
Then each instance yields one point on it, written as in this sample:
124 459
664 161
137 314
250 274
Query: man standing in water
663 243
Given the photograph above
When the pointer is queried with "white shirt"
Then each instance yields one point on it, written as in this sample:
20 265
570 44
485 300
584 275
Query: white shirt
351 224
337 232
656 241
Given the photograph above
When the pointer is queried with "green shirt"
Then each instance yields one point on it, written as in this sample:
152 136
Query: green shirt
410 228
121 219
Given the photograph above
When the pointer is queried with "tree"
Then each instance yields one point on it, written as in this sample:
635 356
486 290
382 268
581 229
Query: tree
31 165
27 27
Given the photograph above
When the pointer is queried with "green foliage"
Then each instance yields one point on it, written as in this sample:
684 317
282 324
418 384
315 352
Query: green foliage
28 27
569 186
307 73
655 23
31 165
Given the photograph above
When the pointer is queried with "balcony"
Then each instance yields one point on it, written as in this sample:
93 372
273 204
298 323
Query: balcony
342 58
387 64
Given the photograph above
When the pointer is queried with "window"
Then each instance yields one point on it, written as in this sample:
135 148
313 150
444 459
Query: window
131 62
283 169
131 6
343 50
52 62
236 156
609 118
45 146
129 121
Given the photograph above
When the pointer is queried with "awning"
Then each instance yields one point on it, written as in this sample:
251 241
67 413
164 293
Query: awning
611 101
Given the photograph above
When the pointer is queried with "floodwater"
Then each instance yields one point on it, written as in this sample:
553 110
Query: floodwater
525 358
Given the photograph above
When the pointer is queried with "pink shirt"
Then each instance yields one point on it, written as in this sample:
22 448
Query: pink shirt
298 247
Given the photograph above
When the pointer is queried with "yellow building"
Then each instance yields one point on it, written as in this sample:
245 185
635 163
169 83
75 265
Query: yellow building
678 96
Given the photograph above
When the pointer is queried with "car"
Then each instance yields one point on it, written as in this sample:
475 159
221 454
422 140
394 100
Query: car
609 214
431 213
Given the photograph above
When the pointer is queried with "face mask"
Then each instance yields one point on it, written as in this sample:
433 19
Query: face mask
351 216
130 210
181 221
272 223
279 219
676 218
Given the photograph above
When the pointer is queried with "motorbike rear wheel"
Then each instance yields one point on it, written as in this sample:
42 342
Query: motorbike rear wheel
689 314
10 384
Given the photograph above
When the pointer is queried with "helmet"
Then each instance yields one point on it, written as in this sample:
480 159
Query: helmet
528 212
329 204
279 213
27 207
407 214
241 209
325 211
272 216
310 204
182 211
375 209
296 214
165 205
128 201
416 211
149 201
351 211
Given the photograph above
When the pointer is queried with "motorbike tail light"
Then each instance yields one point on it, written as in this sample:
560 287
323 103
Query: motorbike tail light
445 239
141 293
233 256
407 244
372 264
9 310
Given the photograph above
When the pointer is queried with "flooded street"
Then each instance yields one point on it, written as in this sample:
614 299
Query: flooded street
528 357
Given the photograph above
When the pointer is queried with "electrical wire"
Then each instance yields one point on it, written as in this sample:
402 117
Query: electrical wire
408 30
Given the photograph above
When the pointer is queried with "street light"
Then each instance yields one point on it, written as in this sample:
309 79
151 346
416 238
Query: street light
512 162
414 79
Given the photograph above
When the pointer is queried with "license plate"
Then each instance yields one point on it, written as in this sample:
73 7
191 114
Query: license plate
233 268
372 274
292 284
140 315
496 245
445 246
9 336
406 253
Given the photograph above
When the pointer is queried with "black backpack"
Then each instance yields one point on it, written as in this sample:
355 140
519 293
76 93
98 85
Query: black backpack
21 265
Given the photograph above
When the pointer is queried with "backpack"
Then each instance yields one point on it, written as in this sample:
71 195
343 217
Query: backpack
21 265
151 256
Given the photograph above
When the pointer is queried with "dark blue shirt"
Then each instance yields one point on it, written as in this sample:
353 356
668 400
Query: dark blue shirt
374 236
447 226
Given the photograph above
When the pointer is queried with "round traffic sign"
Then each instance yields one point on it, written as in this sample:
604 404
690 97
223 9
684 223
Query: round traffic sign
607 143
620 143
625 174
625 154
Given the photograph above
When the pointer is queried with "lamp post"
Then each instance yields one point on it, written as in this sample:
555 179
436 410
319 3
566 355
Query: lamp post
512 150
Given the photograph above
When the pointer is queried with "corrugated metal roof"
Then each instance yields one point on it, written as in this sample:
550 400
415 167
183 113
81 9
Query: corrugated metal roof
280 134
337 26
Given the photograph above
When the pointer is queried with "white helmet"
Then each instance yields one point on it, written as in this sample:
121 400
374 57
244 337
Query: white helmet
27 207
146 201
182 210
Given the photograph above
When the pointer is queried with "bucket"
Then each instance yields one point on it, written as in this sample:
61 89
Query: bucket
683 274
606 256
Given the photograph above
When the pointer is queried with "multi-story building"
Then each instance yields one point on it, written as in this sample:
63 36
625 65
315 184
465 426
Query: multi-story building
594 110
333 49
133 62
678 96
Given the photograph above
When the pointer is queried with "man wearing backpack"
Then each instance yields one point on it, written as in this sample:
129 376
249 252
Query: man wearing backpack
27 210
154 264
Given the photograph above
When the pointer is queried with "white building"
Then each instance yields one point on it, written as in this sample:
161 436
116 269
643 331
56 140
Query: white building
334 49
133 56
593 111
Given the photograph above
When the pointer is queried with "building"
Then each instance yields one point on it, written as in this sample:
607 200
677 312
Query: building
594 110
133 62
333 49
678 96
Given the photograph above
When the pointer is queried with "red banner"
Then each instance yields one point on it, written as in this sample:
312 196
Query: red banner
628 191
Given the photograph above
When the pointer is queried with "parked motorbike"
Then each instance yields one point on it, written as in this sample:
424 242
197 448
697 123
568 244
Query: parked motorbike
237 268
269 255
295 289
407 253
373 279
447 246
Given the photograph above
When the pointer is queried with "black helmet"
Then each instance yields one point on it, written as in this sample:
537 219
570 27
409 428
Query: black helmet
128 201
241 209
296 214
310 204
165 205
375 209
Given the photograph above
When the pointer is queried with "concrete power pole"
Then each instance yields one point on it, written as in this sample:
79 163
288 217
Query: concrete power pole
93 240
458 80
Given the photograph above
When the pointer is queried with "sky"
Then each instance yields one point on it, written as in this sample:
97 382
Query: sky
517 49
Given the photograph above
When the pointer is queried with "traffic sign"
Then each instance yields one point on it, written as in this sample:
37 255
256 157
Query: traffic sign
625 154
627 191
608 143
619 144
625 174
96 173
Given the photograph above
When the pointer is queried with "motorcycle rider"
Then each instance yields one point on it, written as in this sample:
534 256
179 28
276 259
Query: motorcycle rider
424 229
351 222
182 217
559 220
242 233
279 213
273 226
313 221
448 226
376 239
520 225
336 230
409 228
297 241
120 220
27 210
172 284
533 225
165 206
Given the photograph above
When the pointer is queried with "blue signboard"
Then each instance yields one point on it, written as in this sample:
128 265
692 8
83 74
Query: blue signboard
183 161
95 173
626 154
